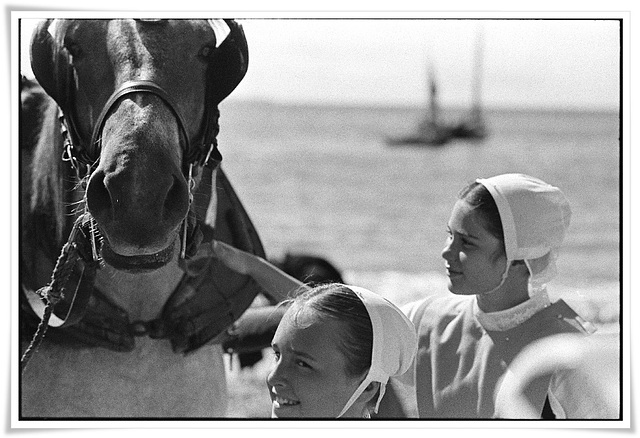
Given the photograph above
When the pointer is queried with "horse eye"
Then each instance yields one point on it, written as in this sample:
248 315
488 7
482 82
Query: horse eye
206 52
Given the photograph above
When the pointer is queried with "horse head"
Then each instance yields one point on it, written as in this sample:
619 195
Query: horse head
139 100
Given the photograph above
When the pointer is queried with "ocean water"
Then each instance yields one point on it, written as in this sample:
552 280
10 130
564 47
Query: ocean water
321 180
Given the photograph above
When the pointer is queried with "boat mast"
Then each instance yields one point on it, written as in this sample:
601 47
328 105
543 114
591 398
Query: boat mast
433 95
476 90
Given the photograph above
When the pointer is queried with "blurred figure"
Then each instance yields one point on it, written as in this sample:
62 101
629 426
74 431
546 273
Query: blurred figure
590 367
310 269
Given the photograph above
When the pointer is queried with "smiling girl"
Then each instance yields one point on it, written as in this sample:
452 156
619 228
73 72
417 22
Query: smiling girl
335 347
502 241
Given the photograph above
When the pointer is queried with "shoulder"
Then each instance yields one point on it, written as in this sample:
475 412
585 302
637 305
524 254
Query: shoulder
437 307
559 317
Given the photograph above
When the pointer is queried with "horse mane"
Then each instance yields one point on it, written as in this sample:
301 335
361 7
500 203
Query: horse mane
50 174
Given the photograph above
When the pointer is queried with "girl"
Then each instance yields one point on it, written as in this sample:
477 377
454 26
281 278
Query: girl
335 347
503 236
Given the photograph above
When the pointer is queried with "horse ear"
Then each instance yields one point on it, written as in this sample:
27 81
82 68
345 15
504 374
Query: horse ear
229 64
50 64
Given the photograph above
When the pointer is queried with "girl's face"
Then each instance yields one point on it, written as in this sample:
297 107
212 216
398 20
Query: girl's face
309 378
470 253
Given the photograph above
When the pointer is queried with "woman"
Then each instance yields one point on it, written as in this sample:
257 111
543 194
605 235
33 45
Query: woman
503 236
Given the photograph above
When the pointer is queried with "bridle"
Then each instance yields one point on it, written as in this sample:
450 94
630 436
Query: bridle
227 65
85 160
198 156
53 67
205 154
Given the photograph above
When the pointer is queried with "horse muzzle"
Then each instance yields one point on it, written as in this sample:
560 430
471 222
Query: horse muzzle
139 215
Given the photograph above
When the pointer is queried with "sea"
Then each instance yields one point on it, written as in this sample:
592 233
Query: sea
322 180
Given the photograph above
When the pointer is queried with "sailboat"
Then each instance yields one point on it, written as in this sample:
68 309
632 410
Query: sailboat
432 131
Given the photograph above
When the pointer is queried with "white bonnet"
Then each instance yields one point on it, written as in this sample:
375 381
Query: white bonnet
395 343
535 216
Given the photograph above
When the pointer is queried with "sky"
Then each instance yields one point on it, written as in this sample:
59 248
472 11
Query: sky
525 63
383 59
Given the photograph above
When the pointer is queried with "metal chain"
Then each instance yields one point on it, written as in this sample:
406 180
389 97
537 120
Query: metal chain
191 187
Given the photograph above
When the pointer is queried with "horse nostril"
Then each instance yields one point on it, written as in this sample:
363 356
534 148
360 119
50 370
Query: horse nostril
176 202
98 197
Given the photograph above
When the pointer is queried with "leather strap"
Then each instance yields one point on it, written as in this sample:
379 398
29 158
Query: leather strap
133 87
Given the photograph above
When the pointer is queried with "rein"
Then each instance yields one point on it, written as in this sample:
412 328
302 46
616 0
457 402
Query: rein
75 250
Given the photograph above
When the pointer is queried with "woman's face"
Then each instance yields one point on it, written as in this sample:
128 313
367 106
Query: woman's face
309 377
470 253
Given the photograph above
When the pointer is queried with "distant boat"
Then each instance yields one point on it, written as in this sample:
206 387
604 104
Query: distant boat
433 131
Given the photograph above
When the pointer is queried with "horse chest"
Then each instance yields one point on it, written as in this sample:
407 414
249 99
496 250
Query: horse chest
142 295
150 381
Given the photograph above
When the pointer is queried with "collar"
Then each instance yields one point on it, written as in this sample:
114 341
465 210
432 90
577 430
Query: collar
510 318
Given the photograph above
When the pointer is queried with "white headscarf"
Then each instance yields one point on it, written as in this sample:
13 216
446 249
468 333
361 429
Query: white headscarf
535 217
395 343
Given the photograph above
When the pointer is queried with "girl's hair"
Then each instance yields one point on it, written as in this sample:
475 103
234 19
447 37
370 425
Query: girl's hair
477 195
337 301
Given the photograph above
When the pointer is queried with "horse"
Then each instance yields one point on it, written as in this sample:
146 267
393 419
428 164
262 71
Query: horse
123 309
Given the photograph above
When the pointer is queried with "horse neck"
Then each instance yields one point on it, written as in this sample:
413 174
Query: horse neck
142 295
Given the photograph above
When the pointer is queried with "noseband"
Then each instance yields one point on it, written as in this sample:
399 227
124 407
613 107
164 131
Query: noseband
191 155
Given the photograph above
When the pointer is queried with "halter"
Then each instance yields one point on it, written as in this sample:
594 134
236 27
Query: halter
52 65
89 156
191 156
